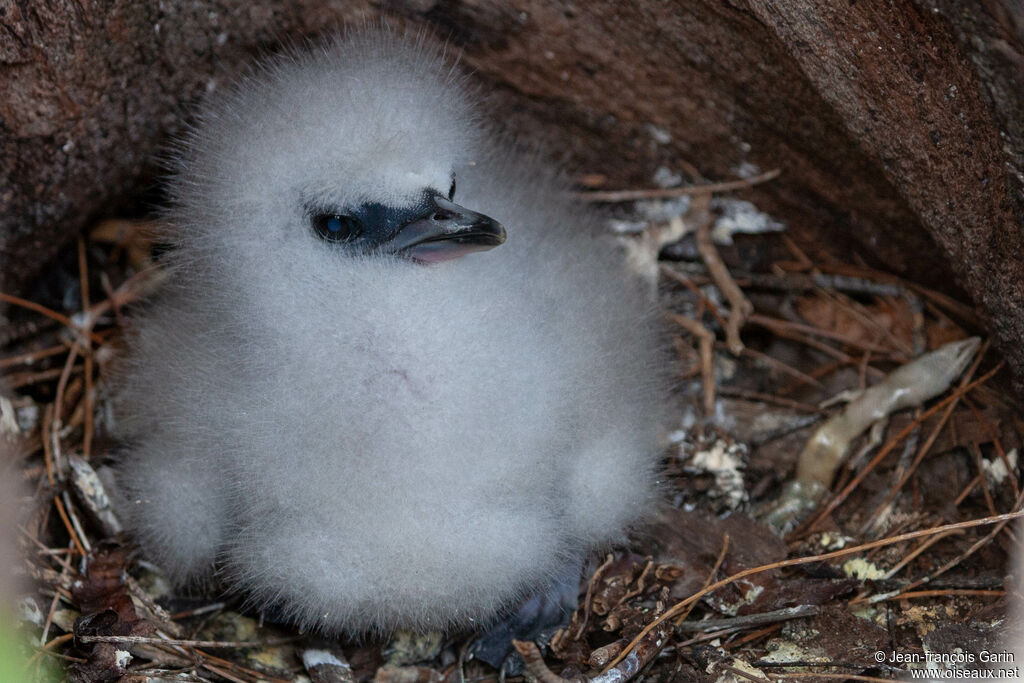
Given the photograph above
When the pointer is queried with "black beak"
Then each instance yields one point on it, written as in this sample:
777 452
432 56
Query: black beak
446 231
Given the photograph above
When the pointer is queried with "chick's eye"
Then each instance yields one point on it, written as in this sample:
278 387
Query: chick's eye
335 227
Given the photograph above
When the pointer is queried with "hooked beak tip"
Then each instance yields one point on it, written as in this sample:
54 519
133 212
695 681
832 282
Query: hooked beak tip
447 231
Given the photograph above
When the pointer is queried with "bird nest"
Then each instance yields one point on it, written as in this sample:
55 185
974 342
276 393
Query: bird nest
904 553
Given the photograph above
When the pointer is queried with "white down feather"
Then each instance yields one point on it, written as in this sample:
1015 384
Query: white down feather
364 442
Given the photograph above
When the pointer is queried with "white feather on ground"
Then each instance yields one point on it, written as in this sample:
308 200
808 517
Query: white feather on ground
364 442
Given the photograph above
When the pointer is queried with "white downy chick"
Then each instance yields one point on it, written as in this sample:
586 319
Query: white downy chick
338 408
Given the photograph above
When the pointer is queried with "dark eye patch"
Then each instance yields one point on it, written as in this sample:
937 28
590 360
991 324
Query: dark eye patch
337 227
451 192
364 228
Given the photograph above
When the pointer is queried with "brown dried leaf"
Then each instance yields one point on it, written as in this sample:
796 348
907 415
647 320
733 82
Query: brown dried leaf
101 593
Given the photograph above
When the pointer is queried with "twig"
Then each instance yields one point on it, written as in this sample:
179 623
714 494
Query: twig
590 593
217 644
915 552
976 452
740 307
138 286
32 356
692 286
641 584
967 490
749 620
776 324
162 673
770 398
224 674
58 408
48 445
613 196
803 262
49 313
223 665
963 312
83 540
816 374
51 553
795 282
705 637
706 342
736 644
842 677
205 609
710 577
641 652
83 275
27 379
945 592
801 377
72 530
64 574
59 640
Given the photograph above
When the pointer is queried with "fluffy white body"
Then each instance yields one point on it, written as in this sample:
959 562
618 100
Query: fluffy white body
362 440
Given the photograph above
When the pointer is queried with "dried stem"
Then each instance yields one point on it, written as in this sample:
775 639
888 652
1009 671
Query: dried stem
740 307
613 196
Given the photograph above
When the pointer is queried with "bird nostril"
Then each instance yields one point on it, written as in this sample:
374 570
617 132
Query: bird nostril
442 216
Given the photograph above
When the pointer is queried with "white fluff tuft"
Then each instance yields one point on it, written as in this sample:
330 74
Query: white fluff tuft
365 442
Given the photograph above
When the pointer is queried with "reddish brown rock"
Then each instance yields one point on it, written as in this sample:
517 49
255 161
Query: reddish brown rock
899 126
